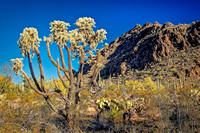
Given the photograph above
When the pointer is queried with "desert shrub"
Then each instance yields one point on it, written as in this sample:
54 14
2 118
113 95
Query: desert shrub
24 112
144 87
112 87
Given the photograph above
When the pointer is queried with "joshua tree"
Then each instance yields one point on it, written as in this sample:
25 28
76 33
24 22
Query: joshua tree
80 43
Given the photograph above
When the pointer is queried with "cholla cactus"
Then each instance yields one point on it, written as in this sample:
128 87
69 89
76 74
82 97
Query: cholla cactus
17 66
80 43
98 38
59 26
29 39
76 37
85 23
101 35
59 33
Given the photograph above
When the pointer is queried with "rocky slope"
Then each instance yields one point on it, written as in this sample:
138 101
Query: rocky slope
145 45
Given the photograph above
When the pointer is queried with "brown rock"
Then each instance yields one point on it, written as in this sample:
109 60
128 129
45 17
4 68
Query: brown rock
144 45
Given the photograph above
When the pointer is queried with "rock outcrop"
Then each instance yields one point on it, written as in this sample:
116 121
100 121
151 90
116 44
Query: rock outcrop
147 44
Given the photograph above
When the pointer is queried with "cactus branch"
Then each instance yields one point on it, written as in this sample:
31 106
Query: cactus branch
54 63
32 72
70 66
46 95
41 68
71 75
35 89
60 76
63 61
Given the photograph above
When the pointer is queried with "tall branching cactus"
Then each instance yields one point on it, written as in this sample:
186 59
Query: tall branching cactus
80 43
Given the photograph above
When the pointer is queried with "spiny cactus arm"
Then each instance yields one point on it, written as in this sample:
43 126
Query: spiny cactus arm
95 39
60 76
32 72
52 60
70 65
62 61
29 81
87 51
94 77
17 67
90 62
45 95
98 61
71 75
28 39
80 74
92 59
40 67
61 56
49 54
62 80
60 36
35 89
86 57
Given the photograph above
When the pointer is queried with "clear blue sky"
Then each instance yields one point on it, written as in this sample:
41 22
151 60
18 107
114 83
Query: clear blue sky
116 16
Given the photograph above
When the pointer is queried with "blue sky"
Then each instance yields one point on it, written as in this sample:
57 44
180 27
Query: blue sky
115 16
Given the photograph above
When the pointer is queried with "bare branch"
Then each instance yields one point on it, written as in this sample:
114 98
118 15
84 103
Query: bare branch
35 89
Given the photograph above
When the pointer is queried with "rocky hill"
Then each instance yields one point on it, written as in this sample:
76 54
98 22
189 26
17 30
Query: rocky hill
143 46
